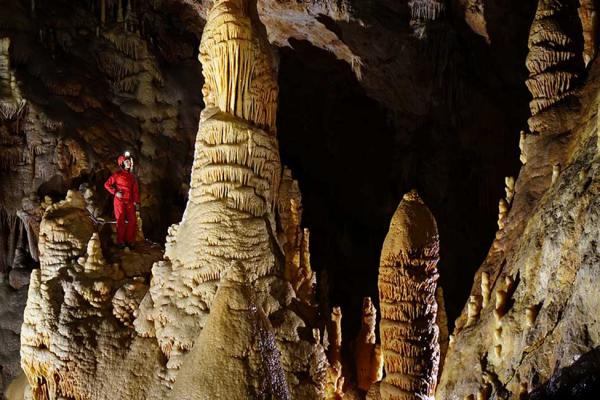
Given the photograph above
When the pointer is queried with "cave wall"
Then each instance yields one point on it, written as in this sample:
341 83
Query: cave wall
91 89
377 98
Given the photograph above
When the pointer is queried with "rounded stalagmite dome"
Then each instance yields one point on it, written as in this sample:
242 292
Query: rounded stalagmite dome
412 230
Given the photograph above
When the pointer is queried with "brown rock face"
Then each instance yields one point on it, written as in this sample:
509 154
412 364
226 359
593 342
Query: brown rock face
530 329
407 284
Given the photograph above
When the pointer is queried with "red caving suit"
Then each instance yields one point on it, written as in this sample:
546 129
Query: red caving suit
124 182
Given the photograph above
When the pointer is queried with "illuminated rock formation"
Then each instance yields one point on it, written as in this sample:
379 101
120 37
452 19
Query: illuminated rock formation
230 214
554 61
244 361
230 227
407 285
368 357
334 387
77 297
426 10
295 242
423 13
536 330
588 14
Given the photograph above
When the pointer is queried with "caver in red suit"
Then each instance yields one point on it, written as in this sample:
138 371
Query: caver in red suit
123 185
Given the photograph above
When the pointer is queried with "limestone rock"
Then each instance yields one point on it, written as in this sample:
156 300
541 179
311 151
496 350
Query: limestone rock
588 14
18 278
554 62
367 354
69 316
12 304
538 332
407 285
222 274
244 361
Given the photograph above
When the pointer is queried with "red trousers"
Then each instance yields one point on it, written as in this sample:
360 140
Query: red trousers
126 221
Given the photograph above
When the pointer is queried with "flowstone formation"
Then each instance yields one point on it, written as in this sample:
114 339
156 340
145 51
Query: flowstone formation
221 288
407 294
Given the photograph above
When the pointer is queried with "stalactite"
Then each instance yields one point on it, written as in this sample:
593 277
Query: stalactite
102 12
502 213
555 172
5 75
248 92
509 188
120 11
473 310
555 58
423 13
407 285
589 22
426 10
485 288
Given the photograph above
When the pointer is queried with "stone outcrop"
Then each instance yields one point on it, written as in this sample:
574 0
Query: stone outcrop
535 334
407 285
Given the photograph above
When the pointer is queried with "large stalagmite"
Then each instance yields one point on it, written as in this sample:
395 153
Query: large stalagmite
407 285
137 345
230 216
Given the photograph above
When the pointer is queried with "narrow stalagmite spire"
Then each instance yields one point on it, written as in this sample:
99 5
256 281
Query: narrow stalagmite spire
555 61
407 285
367 356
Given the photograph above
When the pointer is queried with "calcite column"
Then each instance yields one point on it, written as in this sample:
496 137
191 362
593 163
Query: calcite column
407 285
230 216
235 178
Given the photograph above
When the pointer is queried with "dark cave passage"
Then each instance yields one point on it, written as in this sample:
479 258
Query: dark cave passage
339 146
353 166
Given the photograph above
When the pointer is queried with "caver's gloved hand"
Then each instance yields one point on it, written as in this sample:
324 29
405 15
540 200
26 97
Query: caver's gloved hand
119 194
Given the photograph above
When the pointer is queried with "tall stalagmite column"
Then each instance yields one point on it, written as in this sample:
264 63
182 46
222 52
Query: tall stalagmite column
407 284
230 216
235 177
